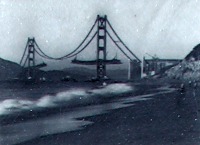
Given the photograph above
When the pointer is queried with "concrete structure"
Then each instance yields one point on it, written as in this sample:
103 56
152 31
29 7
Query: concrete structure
154 66
134 72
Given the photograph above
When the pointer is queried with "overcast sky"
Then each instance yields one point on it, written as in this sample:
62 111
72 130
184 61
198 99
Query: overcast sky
167 28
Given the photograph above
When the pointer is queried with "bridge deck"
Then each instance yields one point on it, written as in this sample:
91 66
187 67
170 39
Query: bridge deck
94 62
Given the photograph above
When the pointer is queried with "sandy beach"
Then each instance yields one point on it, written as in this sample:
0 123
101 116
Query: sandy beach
159 120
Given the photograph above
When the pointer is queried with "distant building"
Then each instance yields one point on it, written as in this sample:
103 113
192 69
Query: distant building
154 66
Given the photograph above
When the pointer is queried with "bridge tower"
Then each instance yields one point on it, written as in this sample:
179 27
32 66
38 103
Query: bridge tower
101 46
31 58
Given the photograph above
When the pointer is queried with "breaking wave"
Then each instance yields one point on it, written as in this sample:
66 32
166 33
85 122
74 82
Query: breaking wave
73 96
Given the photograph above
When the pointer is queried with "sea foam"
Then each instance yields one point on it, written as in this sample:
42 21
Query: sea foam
72 96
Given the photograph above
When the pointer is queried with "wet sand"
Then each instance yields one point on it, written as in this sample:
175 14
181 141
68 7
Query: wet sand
159 121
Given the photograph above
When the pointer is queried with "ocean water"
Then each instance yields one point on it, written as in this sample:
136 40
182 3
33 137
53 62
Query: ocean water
14 133
28 100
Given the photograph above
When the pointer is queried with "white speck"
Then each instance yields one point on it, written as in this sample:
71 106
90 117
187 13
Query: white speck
185 37
117 11
47 41
88 17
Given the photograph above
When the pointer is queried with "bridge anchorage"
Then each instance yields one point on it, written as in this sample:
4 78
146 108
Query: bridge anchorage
103 31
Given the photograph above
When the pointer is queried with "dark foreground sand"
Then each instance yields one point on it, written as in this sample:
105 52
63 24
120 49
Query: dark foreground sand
160 121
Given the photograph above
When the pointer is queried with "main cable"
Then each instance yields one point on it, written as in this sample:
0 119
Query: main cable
122 41
118 45
65 56
83 47
44 56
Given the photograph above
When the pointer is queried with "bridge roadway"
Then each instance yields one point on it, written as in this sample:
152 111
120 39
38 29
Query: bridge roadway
94 62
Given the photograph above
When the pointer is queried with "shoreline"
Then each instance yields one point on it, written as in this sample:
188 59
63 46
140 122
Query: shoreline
34 114
152 122
143 123
160 107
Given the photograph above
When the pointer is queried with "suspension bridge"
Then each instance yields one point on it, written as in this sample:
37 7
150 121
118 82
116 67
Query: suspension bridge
101 31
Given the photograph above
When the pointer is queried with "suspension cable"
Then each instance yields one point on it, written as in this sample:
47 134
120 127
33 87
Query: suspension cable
118 45
122 41
65 56
75 51
43 56
25 49
47 57
83 47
